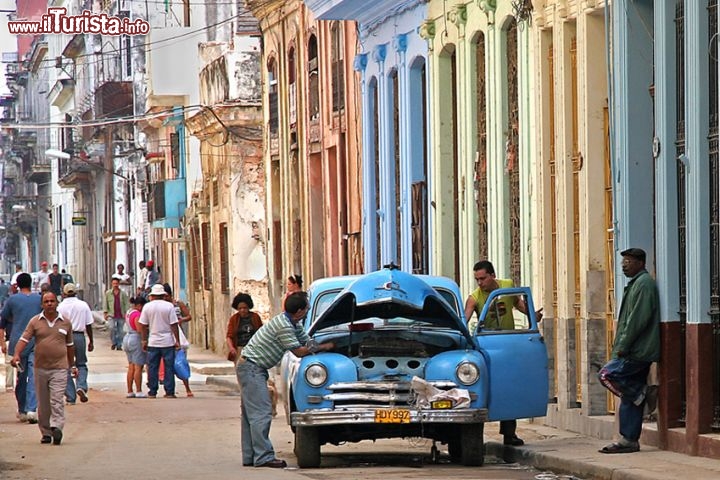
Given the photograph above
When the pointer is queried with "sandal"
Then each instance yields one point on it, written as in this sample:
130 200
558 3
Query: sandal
619 448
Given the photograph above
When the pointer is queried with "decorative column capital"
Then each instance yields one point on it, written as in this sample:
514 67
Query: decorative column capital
458 15
379 53
487 6
426 30
360 62
400 42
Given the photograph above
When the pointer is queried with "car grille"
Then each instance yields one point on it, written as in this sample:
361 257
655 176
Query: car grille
376 394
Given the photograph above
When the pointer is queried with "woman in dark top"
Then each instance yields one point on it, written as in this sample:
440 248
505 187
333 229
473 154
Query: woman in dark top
242 325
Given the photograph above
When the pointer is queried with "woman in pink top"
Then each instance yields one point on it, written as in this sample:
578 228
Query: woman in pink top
132 345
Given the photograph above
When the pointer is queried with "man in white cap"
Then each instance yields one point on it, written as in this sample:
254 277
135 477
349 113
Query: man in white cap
79 314
160 338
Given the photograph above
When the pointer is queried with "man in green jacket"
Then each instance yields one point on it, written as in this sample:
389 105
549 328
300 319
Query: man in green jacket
115 305
636 347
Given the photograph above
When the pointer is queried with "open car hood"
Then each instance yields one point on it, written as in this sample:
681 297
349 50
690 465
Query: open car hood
389 293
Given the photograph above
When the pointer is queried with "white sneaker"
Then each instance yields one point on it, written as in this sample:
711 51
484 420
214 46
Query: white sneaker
22 417
140 395
32 417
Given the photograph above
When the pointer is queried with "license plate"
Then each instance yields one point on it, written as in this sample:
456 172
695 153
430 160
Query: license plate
392 415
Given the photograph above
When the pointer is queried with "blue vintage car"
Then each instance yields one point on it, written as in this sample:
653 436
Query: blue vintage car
393 330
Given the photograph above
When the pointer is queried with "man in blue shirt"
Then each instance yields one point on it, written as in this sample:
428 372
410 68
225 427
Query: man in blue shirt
19 309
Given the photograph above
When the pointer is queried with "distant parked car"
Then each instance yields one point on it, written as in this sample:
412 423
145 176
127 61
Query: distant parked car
398 338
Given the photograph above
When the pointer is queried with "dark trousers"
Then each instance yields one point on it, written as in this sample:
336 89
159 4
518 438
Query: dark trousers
627 379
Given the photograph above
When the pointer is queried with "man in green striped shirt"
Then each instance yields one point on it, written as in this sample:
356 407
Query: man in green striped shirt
282 333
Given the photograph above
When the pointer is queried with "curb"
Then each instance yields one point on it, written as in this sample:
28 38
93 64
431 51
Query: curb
225 381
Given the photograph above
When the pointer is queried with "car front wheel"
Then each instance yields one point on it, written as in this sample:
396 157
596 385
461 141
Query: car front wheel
307 447
472 446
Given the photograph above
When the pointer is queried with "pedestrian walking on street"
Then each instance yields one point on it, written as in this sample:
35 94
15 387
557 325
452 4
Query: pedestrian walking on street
18 310
293 284
115 306
636 347
160 339
80 315
242 325
125 284
183 314
55 279
282 333
43 276
55 355
132 344
153 275
4 292
484 273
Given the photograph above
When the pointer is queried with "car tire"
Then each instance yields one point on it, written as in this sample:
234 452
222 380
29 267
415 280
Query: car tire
307 447
472 446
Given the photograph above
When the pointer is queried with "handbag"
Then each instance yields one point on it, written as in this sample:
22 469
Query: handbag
182 367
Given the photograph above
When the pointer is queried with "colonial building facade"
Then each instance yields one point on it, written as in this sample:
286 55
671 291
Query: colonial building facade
312 138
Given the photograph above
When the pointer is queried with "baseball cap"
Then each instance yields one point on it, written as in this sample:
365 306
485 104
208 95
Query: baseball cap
43 264
149 263
638 253
69 288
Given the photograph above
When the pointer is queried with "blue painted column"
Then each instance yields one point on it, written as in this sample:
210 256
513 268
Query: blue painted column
666 232
385 167
698 171
400 43
632 111
369 238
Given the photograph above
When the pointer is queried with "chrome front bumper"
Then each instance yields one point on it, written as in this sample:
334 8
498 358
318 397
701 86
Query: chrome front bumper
367 416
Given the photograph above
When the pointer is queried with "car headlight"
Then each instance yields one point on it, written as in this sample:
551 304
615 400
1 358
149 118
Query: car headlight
468 373
316 374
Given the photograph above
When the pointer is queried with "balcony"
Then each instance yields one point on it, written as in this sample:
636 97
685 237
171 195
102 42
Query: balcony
61 92
168 200
39 171
114 99
74 174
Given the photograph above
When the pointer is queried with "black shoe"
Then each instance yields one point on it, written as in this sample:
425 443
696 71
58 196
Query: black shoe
46 439
56 435
112 347
119 347
82 394
276 463
247 464
513 440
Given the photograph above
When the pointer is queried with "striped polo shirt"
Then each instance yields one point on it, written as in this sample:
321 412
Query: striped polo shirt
273 339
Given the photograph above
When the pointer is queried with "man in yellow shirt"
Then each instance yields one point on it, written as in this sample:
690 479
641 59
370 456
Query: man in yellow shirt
501 318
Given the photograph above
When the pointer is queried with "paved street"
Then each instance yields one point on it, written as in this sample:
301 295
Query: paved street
114 437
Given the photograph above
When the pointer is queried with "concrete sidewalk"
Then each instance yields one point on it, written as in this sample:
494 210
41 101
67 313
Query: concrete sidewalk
561 451
546 448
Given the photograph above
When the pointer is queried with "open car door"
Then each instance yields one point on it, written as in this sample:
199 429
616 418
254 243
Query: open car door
516 354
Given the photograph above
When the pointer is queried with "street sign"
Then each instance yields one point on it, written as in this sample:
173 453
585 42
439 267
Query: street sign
79 221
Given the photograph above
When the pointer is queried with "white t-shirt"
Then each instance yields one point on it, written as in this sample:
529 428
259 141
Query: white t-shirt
158 315
77 311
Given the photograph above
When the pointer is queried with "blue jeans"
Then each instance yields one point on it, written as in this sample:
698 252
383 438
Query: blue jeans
81 363
627 379
117 325
256 413
25 387
168 356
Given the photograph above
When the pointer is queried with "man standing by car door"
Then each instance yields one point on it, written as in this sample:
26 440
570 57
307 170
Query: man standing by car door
282 333
487 282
